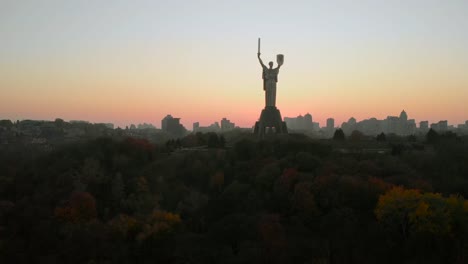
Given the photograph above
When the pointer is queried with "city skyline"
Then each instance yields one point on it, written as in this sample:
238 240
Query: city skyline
127 63
300 123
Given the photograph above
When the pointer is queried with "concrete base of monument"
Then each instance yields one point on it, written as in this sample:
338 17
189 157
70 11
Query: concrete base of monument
270 122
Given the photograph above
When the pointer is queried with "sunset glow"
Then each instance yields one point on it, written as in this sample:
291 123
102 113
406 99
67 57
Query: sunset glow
132 62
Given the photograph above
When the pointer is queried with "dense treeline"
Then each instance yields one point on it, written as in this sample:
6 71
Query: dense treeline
201 199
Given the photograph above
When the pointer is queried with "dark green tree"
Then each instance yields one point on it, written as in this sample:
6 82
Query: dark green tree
222 141
432 136
339 135
213 140
381 137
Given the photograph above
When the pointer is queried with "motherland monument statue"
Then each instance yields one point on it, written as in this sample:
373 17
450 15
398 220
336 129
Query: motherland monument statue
270 121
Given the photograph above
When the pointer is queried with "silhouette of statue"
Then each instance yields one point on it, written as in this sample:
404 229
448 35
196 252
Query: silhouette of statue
270 78
270 121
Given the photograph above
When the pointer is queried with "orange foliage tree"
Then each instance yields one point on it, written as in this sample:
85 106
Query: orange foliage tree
81 207
159 223
124 225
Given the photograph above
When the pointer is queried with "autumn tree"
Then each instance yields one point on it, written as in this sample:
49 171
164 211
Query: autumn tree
273 238
81 207
159 223
410 212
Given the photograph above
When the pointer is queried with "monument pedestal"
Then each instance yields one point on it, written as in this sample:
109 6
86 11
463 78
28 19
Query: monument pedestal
270 122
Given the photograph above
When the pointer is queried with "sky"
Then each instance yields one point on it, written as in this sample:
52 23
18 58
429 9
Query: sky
136 61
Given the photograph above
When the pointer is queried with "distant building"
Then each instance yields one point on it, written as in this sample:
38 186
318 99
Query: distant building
399 125
462 129
109 125
78 122
349 126
423 126
196 125
391 125
172 126
226 125
308 123
403 116
441 126
300 123
410 127
145 126
164 122
329 129
211 128
290 122
371 126
315 126
330 123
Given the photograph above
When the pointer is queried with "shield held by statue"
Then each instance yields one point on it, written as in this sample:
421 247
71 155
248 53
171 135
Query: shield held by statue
280 59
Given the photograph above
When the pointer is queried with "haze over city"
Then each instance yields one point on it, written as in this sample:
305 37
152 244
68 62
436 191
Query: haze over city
133 62
215 131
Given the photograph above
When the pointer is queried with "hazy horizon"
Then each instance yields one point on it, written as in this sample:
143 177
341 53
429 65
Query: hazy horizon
134 62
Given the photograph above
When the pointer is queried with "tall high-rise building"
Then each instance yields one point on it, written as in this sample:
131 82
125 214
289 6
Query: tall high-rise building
443 125
403 116
349 126
308 124
330 123
164 122
196 125
172 125
424 126
226 125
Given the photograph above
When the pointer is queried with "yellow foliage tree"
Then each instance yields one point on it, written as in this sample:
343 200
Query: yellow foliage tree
410 211
124 224
395 206
158 223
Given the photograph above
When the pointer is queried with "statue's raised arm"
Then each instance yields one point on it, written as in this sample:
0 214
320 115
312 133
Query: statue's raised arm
260 60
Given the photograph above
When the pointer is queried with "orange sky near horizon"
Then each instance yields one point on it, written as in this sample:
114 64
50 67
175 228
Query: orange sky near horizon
135 63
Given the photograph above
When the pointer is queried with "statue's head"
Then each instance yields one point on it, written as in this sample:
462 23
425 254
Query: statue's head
271 64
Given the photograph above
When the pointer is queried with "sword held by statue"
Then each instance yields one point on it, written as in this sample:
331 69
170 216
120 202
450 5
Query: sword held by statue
258 45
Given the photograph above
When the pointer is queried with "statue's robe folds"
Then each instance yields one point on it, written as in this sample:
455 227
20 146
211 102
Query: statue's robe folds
270 78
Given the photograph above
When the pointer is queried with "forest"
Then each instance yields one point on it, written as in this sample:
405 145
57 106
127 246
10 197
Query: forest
234 198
